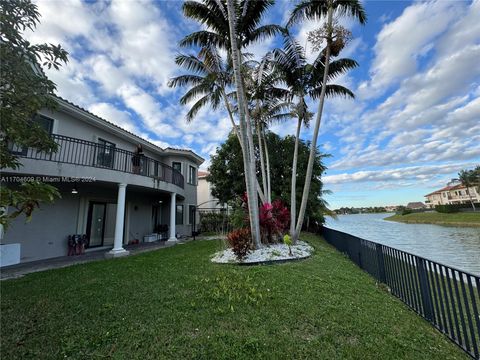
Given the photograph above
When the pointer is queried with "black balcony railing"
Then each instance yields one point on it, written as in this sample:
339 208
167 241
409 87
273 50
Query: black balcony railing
448 298
87 153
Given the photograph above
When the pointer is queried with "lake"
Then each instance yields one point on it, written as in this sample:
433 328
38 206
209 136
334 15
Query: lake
449 245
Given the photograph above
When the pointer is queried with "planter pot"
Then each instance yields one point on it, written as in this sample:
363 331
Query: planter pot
150 238
9 254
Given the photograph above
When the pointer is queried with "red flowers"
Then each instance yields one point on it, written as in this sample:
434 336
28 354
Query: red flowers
274 221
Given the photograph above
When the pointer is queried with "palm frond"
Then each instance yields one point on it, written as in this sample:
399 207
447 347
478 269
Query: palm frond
316 9
205 38
332 91
194 92
184 80
202 102
351 8
308 9
209 15
262 33
191 63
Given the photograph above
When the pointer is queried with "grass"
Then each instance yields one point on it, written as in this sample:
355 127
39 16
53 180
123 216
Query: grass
173 303
459 219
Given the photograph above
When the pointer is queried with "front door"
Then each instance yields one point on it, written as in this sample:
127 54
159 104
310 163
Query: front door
96 223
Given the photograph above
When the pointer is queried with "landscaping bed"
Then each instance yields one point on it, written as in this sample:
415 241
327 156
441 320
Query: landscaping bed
175 303
267 254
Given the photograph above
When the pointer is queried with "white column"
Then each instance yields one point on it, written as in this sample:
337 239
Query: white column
173 204
118 249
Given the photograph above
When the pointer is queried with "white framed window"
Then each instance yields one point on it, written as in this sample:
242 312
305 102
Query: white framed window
177 165
192 175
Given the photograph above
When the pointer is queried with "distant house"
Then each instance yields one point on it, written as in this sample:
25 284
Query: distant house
452 194
205 199
416 205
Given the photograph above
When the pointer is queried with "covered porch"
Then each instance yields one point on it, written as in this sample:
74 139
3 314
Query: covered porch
107 216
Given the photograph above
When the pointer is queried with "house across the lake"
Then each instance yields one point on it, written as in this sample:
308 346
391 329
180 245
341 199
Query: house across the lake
416 205
452 194
116 187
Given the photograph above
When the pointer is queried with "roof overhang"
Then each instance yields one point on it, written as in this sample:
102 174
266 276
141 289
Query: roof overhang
197 159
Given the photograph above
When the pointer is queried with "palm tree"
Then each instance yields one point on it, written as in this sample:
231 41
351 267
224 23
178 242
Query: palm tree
209 79
316 9
233 26
467 179
303 79
267 104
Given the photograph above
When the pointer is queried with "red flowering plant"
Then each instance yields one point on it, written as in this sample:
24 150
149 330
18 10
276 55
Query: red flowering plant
274 221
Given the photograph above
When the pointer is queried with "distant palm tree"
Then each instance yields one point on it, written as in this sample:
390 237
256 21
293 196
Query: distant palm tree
304 79
467 178
316 9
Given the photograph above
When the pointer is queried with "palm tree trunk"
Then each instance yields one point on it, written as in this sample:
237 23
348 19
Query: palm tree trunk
245 130
267 159
313 148
471 199
235 130
293 190
262 160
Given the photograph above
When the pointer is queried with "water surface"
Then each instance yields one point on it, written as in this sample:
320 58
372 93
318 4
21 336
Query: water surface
449 245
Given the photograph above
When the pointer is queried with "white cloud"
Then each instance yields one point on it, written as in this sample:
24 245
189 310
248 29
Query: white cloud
407 175
111 113
403 41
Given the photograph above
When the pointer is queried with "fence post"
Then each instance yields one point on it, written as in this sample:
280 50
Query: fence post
425 289
381 264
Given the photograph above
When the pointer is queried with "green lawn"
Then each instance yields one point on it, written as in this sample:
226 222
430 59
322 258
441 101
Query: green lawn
461 219
173 303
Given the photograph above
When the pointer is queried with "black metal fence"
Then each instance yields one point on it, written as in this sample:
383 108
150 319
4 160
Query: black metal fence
87 153
447 297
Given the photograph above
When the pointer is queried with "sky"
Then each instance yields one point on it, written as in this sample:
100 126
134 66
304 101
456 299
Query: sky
415 121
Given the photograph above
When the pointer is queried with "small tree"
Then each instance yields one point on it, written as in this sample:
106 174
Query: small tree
469 179
24 89
335 40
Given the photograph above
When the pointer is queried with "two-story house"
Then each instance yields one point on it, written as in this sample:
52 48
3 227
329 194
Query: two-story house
109 190
452 194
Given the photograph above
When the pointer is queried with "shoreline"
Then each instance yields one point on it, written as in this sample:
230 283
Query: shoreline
428 218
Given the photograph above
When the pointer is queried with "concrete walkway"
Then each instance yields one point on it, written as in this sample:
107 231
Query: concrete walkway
19 270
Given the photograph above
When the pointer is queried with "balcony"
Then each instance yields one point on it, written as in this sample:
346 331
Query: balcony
87 153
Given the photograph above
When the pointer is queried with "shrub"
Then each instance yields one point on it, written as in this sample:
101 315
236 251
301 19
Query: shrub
287 240
274 221
214 221
239 218
240 241
406 211
447 208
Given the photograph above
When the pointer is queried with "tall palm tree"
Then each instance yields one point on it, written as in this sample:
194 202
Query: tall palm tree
304 79
233 26
245 125
267 104
209 78
317 9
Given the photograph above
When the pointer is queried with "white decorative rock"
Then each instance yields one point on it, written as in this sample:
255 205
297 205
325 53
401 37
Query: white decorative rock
269 253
